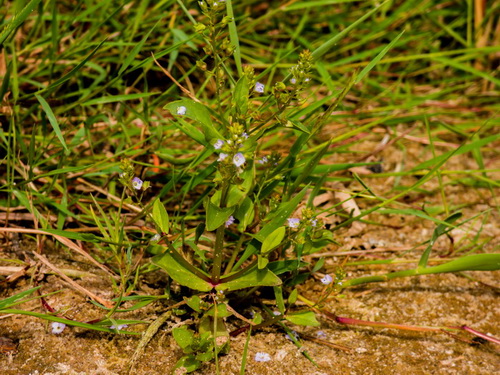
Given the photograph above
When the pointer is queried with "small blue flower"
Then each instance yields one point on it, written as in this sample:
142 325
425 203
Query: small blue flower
321 335
244 135
314 222
137 183
218 145
259 87
119 327
181 110
293 81
222 156
57 327
327 280
295 335
293 222
262 357
264 160
229 221
239 159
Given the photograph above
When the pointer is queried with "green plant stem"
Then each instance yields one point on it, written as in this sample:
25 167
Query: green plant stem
219 244
236 251
219 239
179 258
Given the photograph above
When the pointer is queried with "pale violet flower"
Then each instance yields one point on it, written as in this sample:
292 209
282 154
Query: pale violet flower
218 145
259 87
119 327
262 357
326 280
57 327
239 159
229 221
314 222
155 238
222 156
137 183
293 81
276 313
295 336
181 110
264 160
293 222
244 135
321 335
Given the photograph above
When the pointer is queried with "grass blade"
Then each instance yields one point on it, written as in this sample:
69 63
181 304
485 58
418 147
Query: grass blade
18 20
376 60
53 121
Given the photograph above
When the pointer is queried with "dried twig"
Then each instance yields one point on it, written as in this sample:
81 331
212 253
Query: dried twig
78 287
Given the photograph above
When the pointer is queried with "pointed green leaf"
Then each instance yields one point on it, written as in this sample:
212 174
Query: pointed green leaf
292 298
245 214
280 302
197 112
179 273
262 262
183 336
273 240
216 216
53 121
194 302
253 277
303 318
160 216
241 93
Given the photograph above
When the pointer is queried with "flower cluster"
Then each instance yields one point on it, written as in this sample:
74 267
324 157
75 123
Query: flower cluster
230 148
127 177
301 72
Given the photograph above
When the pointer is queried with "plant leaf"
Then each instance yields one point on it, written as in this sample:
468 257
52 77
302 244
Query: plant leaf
181 274
53 121
183 336
241 93
216 216
160 216
199 113
253 277
303 318
273 240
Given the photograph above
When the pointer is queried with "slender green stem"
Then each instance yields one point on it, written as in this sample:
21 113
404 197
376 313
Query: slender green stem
179 258
219 239
236 251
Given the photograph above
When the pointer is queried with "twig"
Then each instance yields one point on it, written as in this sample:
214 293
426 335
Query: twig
9 270
64 241
183 89
146 338
78 287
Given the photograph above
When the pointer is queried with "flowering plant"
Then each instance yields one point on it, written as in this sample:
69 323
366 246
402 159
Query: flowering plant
253 238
